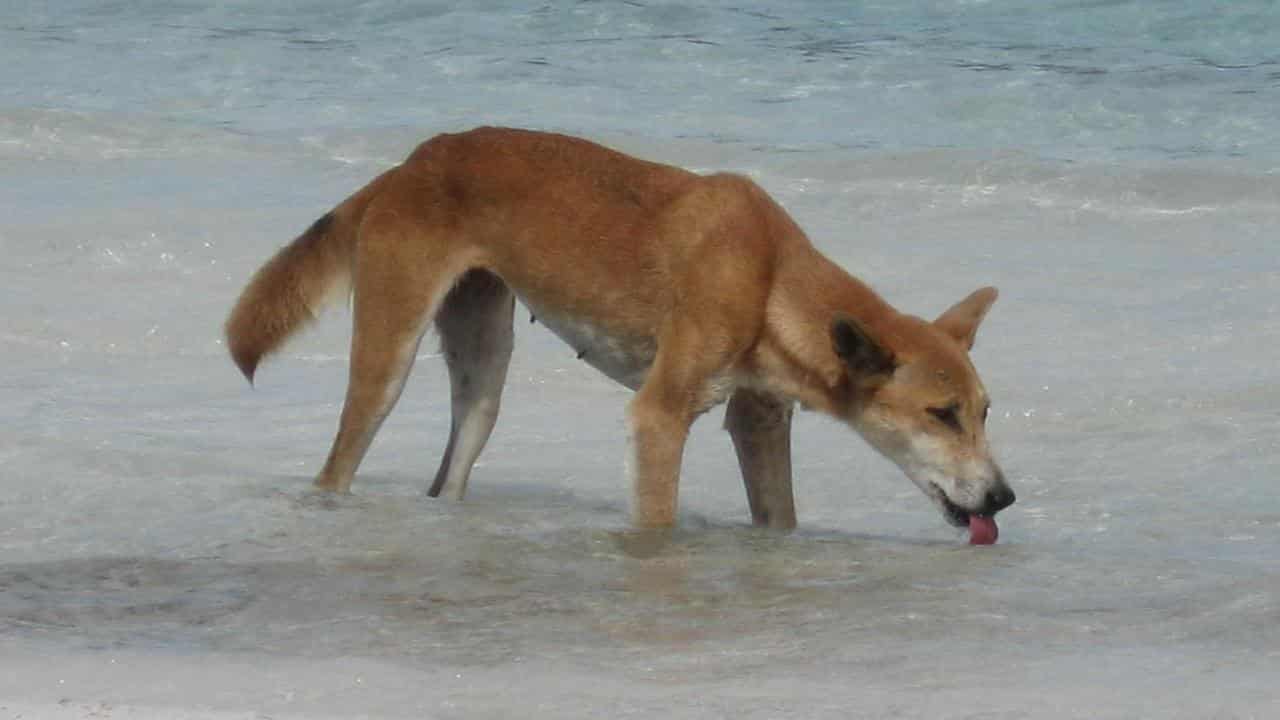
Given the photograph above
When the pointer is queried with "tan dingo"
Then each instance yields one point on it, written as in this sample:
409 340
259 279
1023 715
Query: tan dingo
688 289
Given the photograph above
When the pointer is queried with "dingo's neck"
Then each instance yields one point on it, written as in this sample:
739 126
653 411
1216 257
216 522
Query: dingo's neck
809 293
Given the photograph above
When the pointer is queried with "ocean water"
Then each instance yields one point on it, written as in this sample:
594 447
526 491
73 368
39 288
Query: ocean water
1113 167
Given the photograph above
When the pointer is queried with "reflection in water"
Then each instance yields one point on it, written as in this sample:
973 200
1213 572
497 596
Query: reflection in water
676 598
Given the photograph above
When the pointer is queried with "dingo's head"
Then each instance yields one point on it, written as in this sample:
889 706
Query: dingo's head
915 396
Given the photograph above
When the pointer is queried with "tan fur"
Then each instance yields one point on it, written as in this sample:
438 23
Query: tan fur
691 289
291 288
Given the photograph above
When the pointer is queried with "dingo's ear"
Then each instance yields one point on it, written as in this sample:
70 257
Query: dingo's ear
860 353
962 320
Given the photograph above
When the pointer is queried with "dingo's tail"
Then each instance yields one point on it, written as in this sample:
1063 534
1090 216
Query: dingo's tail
295 285
289 291
291 288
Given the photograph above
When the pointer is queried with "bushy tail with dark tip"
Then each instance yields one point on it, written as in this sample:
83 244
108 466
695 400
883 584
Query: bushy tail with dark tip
289 291
295 285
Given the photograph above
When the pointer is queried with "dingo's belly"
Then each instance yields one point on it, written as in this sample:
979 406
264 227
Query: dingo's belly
625 359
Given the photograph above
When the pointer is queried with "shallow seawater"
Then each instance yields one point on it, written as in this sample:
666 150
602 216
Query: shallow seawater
160 546
159 508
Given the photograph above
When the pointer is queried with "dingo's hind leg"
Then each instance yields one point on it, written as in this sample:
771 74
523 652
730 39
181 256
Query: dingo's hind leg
476 337
396 293
760 427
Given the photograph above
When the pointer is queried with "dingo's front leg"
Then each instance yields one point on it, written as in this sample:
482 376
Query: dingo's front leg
680 386
658 433
760 427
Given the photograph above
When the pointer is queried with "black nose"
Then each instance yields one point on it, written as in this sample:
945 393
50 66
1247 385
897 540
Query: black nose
998 498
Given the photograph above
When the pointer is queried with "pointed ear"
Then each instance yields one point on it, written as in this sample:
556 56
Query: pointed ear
962 320
863 355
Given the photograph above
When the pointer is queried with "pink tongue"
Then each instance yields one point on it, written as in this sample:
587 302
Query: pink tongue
982 530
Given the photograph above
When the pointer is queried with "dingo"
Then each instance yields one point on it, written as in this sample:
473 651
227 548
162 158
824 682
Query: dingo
688 289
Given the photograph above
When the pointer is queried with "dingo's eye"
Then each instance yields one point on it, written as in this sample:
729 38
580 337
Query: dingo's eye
947 416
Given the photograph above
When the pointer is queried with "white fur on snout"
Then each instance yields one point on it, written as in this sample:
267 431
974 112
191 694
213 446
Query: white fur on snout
931 465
